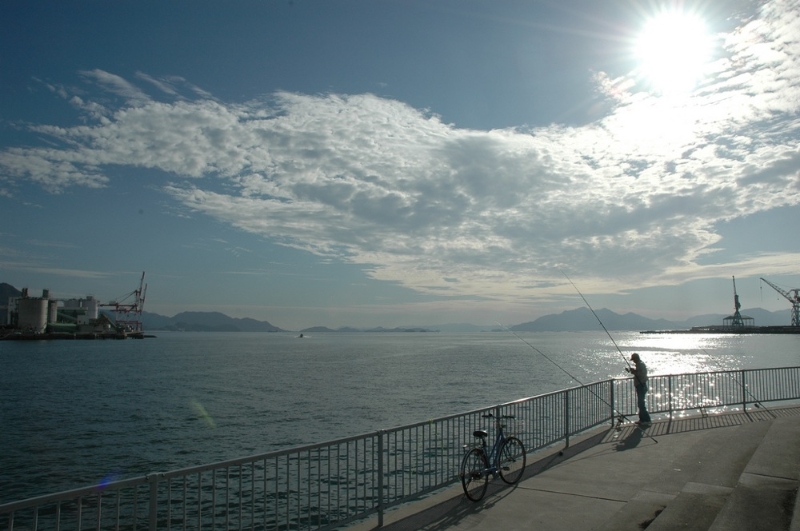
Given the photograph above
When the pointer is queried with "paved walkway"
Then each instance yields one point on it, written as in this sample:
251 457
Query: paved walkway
736 471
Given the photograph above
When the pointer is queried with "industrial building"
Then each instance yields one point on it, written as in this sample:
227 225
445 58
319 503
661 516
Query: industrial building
40 315
27 317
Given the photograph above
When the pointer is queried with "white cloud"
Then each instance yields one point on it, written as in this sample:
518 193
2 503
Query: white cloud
633 197
118 85
164 86
52 169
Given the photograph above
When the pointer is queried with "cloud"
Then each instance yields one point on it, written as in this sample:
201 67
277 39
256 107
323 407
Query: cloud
118 85
633 197
52 169
61 272
163 86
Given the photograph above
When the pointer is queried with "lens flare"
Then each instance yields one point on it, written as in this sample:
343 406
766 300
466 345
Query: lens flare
203 414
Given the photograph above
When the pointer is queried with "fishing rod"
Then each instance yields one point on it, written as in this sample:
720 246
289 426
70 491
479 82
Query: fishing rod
620 415
598 319
629 369
756 402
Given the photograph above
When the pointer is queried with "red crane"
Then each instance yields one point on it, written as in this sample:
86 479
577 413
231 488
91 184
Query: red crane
128 310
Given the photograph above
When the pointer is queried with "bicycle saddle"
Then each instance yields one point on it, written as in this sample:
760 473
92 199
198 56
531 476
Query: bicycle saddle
480 433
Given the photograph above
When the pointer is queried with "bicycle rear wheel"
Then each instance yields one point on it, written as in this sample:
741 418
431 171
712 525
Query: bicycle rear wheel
473 474
511 463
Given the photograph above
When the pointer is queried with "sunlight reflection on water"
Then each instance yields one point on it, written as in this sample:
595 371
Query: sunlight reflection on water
185 399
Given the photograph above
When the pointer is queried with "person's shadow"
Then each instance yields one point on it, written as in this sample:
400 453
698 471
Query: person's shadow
631 441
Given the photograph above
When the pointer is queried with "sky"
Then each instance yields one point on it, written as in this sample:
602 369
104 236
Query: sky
402 162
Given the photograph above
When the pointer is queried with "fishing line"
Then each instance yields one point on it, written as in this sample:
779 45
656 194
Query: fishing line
756 402
545 356
597 317
620 416
609 337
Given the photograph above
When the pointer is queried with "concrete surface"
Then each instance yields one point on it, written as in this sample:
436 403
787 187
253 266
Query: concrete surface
736 471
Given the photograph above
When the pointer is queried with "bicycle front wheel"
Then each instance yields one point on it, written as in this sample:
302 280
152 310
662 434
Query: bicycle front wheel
511 463
473 474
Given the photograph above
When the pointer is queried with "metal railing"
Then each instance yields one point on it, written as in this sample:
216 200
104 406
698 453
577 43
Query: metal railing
328 485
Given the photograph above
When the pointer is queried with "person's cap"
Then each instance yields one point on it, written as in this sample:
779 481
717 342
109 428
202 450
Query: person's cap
635 356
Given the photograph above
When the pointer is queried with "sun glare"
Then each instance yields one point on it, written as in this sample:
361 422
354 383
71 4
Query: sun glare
673 51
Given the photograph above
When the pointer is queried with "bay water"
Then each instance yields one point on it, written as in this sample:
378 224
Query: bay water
77 413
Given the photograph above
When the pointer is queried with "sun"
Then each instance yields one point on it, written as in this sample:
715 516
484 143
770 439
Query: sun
673 51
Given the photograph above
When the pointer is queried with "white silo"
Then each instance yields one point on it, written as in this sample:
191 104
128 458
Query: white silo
92 307
52 312
32 314
85 310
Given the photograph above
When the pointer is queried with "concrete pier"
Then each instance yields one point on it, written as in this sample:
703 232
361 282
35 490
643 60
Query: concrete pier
727 472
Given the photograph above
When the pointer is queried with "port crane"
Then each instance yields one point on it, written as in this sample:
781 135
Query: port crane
128 315
736 320
793 296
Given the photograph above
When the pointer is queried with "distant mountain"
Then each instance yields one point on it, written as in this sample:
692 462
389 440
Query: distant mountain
347 329
400 329
571 320
766 318
7 291
205 322
582 319
761 316
154 321
458 327
325 329
320 329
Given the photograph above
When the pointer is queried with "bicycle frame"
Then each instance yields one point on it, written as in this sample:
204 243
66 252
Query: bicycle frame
493 456
506 459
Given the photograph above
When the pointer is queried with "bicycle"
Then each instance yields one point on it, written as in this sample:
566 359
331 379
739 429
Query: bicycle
507 458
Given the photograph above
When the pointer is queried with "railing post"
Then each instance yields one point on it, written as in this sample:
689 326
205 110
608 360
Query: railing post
381 434
153 480
566 417
611 401
669 394
744 392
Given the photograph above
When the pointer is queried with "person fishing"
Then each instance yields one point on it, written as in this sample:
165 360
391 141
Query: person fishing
639 372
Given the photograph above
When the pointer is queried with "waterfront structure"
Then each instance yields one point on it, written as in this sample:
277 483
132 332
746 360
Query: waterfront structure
736 323
128 310
31 312
83 311
47 318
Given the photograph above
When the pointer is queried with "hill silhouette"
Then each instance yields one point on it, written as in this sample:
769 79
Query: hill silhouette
579 319
205 322
582 319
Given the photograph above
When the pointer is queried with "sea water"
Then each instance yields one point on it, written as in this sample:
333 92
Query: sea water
77 413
